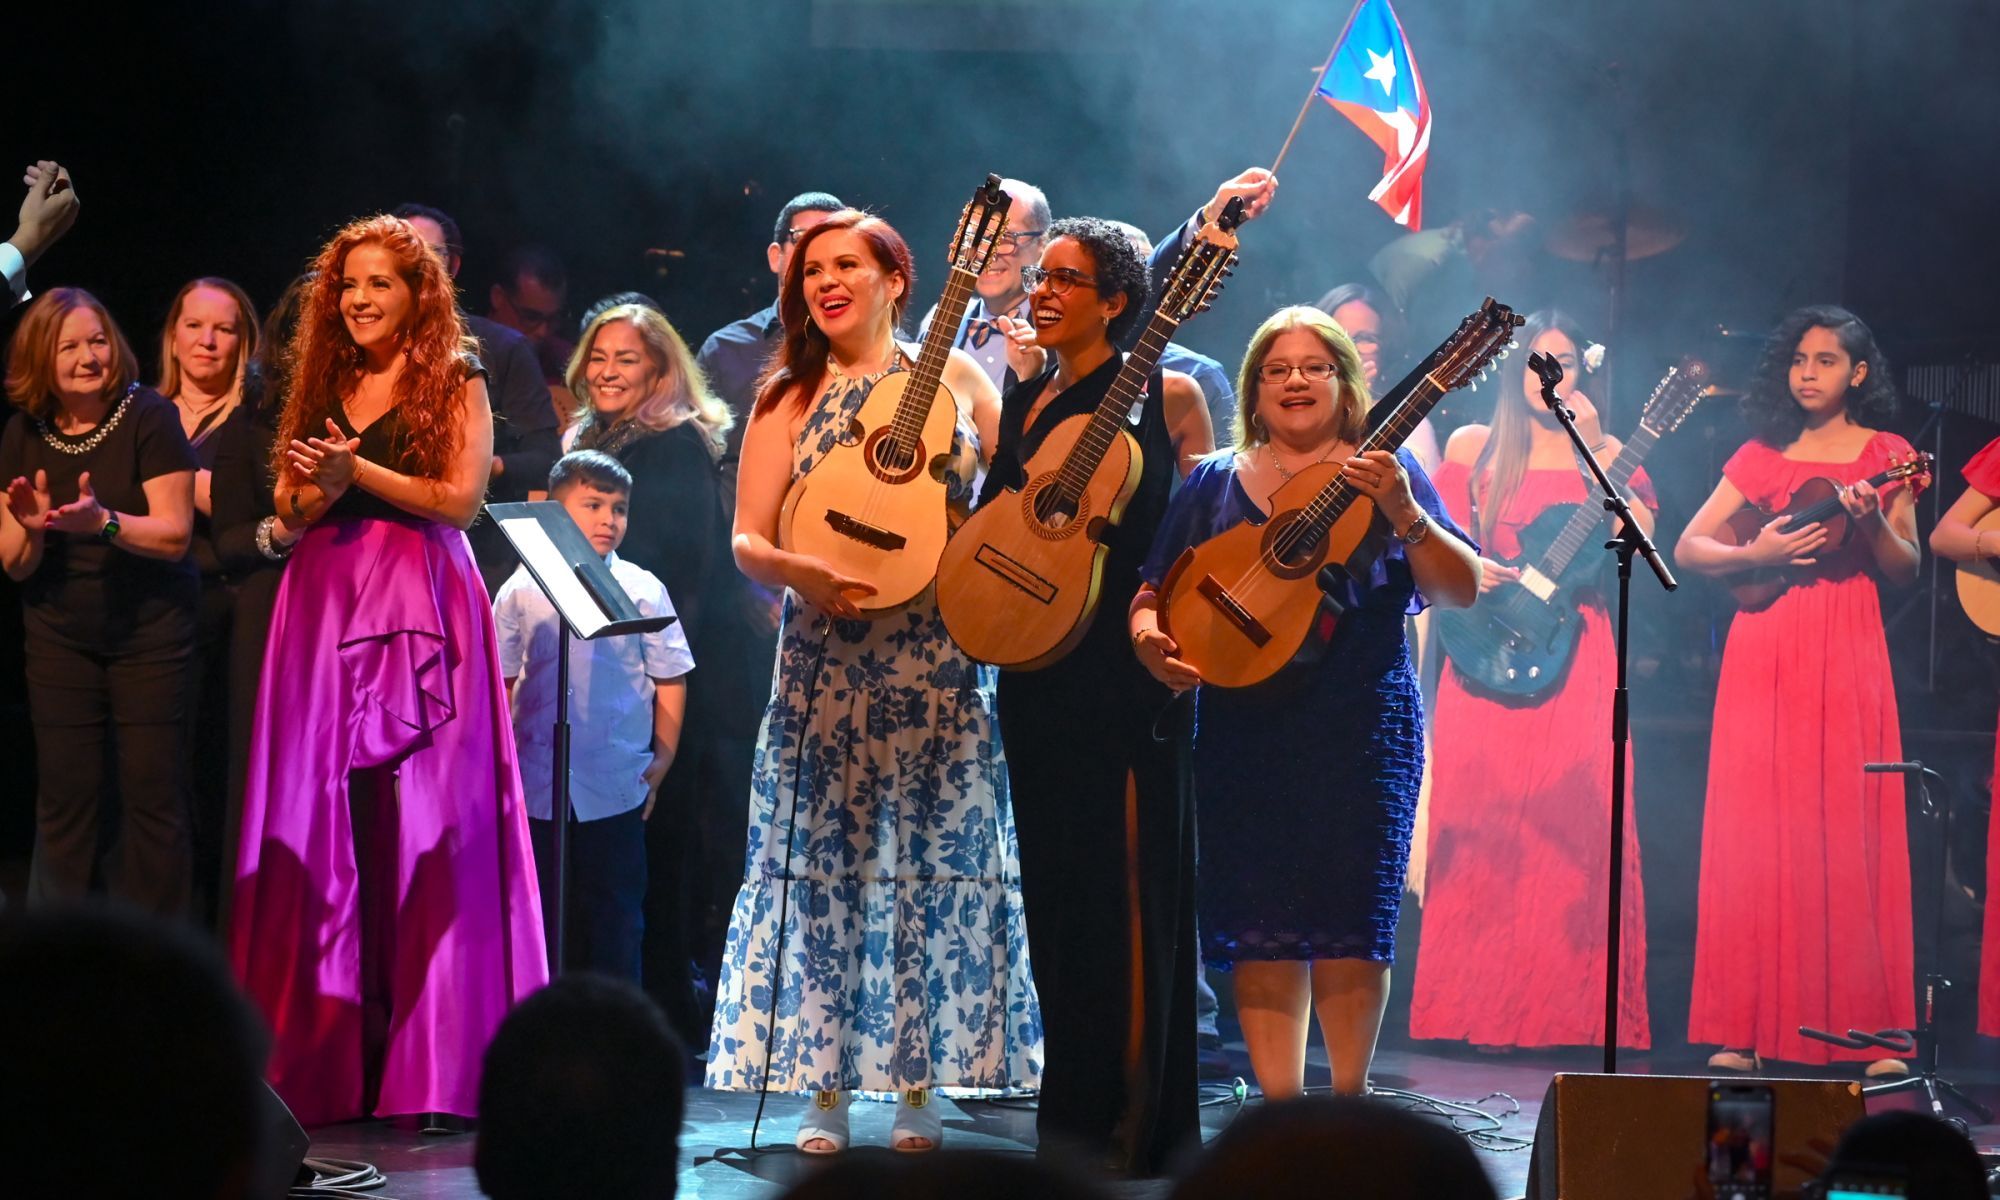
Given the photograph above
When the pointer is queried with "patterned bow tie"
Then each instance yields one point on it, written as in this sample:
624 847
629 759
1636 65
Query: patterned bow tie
981 331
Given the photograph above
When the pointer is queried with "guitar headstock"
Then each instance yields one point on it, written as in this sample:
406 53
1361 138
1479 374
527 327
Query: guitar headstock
1205 262
1679 390
980 227
1482 339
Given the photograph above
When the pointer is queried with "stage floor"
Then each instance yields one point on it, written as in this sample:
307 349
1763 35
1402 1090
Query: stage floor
716 1160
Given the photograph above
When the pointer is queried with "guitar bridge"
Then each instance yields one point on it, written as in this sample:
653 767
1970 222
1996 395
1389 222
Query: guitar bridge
1015 573
1236 614
861 531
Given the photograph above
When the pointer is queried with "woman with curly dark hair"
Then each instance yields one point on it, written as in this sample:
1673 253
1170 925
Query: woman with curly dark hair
385 911
1805 872
1082 761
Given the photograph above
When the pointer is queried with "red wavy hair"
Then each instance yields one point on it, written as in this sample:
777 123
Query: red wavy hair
799 363
325 362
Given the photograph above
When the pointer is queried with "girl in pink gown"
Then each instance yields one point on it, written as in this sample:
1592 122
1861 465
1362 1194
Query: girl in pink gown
386 913
1805 872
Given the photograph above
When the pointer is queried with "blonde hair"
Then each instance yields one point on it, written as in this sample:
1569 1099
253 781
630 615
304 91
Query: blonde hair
1353 401
682 396
246 332
31 355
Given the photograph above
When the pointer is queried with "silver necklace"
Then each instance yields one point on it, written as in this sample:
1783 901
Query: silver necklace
1273 450
103 430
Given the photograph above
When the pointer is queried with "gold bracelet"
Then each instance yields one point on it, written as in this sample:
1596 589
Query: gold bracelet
357 470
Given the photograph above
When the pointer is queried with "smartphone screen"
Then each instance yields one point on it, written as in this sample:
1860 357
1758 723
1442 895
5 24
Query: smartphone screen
1739 1141
1864 1189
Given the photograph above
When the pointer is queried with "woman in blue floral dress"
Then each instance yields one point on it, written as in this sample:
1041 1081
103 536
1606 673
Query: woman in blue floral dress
882 888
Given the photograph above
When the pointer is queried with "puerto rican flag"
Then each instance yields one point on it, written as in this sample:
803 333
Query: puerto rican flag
1373 81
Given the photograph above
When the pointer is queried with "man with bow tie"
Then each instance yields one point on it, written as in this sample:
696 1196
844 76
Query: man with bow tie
999 293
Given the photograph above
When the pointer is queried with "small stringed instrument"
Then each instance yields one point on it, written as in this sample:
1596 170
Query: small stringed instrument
874 507
1019 582
1242 604
1816 502
1979 583
1518 638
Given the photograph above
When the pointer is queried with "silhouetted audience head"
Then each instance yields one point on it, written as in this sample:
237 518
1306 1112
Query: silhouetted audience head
581 1096
1928 1157
130 1065
876 1173
1374 1150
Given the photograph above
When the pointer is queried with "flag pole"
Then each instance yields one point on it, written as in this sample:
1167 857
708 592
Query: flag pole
1317 80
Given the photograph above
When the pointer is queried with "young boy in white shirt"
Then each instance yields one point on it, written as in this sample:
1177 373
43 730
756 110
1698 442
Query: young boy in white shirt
628 695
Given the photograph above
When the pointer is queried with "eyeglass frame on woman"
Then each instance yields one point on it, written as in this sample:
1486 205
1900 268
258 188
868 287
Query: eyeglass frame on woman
1312 372
1062 281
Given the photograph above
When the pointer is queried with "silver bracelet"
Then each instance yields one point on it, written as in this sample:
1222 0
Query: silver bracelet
266 546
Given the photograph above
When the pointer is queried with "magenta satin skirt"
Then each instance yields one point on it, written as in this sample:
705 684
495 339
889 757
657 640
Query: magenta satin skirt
381 662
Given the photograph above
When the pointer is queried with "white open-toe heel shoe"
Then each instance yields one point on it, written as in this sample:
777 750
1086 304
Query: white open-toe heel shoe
825 1121
917 1121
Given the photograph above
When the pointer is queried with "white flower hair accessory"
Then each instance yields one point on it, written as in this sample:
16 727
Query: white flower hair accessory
1593 357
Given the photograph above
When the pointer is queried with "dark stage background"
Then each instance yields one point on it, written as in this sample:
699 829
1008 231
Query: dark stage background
1814 150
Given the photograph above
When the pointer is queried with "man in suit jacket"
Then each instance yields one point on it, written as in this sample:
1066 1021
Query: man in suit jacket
526 439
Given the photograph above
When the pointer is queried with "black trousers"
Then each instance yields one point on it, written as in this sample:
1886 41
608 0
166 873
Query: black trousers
1120 1081
208 747
604 919
111 738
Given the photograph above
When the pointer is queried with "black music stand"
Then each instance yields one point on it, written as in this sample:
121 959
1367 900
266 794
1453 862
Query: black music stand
589 604
1629 541
1923 1040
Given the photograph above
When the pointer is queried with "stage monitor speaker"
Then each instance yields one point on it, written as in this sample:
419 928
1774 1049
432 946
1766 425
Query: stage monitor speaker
285 1147
1642 1137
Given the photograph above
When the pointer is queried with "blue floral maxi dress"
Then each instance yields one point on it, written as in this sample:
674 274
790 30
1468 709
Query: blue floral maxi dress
880 823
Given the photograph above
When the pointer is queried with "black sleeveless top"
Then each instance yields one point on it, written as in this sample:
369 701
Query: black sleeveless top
386 441
1105 648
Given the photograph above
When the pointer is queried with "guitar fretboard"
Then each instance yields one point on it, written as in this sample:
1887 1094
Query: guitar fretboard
1112 411
907 426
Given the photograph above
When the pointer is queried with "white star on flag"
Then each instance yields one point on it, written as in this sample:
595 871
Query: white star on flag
1382 69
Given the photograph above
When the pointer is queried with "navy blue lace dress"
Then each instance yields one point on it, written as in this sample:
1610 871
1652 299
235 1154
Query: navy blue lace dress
1306 784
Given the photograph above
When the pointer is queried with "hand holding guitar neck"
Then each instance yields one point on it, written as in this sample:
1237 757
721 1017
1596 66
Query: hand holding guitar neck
1550 372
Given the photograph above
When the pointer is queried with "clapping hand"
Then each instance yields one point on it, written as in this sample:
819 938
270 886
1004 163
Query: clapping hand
47 212
29 502
82 515
327 462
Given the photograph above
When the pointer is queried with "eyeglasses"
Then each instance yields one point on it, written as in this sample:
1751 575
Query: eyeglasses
793 235
1316 372
1061 280
1014 243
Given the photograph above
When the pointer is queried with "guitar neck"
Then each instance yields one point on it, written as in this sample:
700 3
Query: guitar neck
1395 429
1584 524
1116 406
908 424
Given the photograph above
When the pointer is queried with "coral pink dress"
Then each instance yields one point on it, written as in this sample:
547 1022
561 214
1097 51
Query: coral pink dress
1805 867
1513 944
1982 474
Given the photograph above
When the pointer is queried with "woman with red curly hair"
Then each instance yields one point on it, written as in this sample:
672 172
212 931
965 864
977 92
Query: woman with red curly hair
385 911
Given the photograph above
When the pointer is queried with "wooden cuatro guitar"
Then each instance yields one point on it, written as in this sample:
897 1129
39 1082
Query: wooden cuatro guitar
875 506
1816 502
1979 583
1241 605
1518 638
1019 583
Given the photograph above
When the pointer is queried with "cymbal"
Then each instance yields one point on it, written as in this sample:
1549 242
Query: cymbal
1586 236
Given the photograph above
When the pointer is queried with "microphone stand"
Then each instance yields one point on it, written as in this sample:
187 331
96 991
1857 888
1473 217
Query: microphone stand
1923 1040
1630 540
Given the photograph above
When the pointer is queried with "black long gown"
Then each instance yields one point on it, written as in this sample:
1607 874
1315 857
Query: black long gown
1074 732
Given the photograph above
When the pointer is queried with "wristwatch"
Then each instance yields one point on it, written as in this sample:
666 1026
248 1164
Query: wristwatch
1419 530
108 532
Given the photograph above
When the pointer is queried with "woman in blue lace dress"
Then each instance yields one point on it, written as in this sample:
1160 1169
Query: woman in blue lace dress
882 892
1306 784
